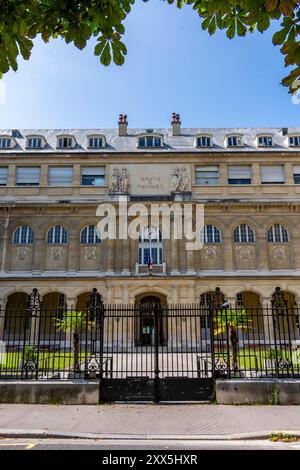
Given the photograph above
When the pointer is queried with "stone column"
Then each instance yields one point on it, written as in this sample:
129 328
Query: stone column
44 176
190 255
256 173
74 253
39 253
76 179
110 256
126 256
71 307
5 243
174 256
262 250
288 173
268 320
228 253
2 317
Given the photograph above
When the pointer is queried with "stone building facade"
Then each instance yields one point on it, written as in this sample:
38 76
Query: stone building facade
52 181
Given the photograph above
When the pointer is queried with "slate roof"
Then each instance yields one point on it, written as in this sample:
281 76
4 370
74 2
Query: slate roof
128 144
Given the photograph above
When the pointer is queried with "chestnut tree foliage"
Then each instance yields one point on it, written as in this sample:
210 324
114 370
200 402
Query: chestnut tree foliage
76 21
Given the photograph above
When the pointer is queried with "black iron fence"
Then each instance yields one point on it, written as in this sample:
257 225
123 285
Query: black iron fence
154 342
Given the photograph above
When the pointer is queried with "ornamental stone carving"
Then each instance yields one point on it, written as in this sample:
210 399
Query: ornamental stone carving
245 253
22 253
119 181
56 253
90 253
210 253
180 181
279 253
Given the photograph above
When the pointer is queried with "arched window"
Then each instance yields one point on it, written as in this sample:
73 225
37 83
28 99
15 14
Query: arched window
150 246
243 234
57 234
210 234
278 234
23 235
90 235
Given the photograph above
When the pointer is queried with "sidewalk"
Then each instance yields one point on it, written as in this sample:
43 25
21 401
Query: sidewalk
186 421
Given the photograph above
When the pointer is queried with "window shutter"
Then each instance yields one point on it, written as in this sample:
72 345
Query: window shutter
28 175
272 174
93 171
3 176
296 170
60 176
203 169
239 172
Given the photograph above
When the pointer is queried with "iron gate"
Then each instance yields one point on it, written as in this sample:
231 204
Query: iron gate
156 353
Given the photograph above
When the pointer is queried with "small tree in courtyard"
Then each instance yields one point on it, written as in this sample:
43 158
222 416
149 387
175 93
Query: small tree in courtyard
227 322
76 323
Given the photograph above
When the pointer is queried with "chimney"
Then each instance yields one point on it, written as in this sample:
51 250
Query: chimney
123 125
176 123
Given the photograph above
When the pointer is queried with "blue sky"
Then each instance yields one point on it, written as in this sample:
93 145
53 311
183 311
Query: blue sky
172 65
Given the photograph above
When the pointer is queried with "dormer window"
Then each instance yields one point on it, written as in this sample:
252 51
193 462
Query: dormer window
234 141
204 141
96 142
5 143
265 141
65 142
35 142
149 141
294 141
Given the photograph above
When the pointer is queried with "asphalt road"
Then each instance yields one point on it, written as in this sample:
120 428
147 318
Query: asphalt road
84 444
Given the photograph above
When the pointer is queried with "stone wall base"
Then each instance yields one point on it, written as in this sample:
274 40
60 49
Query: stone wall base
258 391
49 393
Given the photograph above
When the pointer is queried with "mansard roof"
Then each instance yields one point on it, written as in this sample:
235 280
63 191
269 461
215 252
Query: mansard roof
185 142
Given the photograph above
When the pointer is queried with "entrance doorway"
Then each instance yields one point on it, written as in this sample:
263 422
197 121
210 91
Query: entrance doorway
150 314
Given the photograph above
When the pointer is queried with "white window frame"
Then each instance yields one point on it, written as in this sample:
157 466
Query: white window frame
153 250
7 139
278 230
207 138
296 138
153 137
31 140
96 238
263 140
237 138
29 235
94 139
52 235
210 234
244 231
71 142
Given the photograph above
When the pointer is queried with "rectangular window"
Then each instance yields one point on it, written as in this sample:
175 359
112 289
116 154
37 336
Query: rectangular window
93 176
34 143
204 141
60 176
272 174
265 141
65 142
3 175
296 171
207 175
239 174
295 141
95 142
28 176
235 141
5 142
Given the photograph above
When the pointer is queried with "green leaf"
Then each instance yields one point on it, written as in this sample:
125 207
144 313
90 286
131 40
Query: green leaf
231 29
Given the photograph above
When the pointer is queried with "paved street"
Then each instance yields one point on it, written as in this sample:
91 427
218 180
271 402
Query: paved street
150 420
77 444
